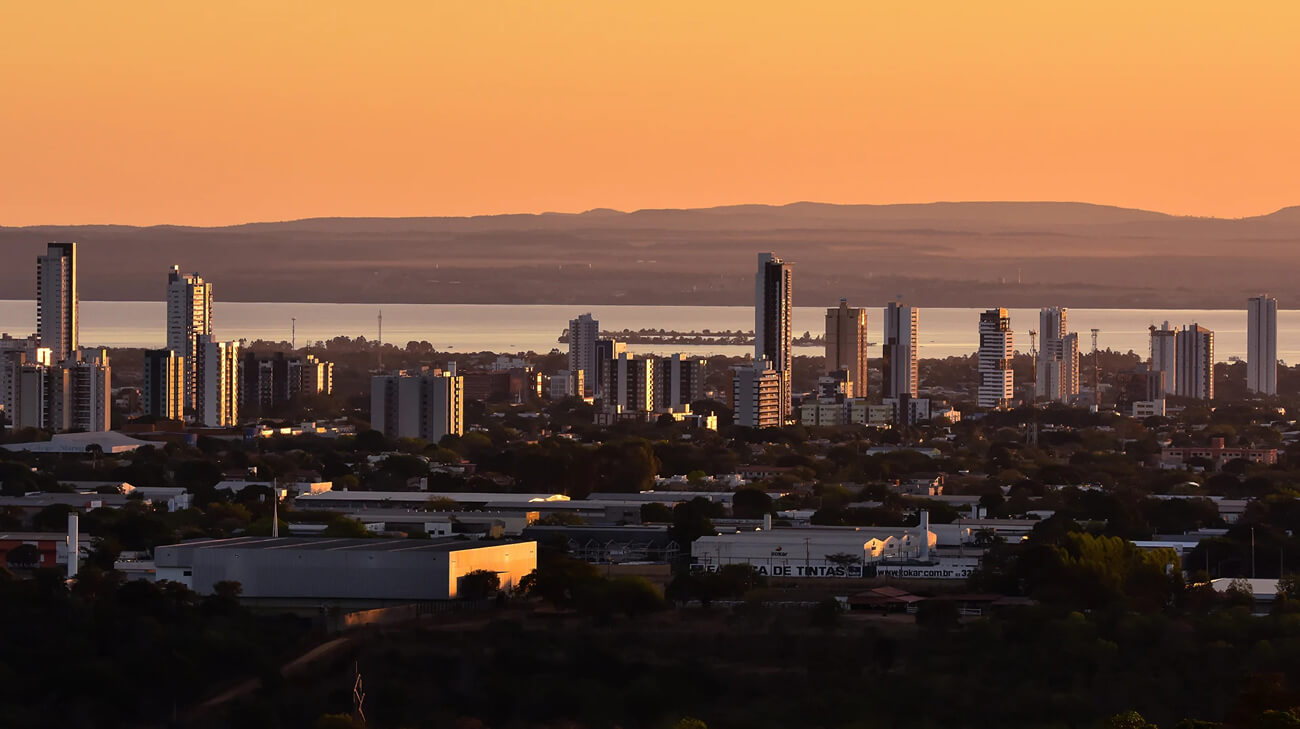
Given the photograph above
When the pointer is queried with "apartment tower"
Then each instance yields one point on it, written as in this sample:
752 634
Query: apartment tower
846 344
1164 356
189 316
899 355
772 323
1195 362
1057 368
997 381
56 300
583 334
1261 345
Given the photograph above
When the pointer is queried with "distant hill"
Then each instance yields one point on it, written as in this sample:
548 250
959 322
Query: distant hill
938 254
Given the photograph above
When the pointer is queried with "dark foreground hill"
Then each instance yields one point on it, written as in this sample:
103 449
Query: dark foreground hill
939 254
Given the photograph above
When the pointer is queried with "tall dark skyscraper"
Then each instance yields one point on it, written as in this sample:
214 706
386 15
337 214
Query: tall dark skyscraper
56 300
772 312
846 344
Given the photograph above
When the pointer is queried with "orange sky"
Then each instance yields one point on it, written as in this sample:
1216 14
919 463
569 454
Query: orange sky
225 112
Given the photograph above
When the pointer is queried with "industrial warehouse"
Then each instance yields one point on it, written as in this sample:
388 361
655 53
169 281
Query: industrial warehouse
834 552
291 568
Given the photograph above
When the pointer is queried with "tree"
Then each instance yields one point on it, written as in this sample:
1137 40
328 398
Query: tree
53 518
692 520
442 503
341 527
23 556
1128 720
938 615
750 503
478 585
690 722
826 614
656 512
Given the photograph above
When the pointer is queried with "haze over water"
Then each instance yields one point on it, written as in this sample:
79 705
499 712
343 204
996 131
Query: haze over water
521 328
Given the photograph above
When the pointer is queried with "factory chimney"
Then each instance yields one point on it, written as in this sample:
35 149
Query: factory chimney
924 527
74 546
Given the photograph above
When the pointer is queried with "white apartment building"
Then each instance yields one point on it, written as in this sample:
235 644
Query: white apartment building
189 316
216 382
997 346
428 405
164 384
1261 345
1164 355
756 396
1195 362
899 355
583 334
1057 368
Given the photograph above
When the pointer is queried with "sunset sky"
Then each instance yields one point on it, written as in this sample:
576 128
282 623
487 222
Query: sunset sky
227 112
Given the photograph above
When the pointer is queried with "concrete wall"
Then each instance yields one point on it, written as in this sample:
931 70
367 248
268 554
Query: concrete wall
510 561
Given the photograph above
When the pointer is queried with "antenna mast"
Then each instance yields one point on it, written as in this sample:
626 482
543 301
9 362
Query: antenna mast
381 339
358 696
293 333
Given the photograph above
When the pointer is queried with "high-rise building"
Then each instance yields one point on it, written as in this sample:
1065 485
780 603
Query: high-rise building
1261 345
607 350
56 299
73 395
1164 356
900 373
317 376
997 346
270 380
583 333
164 384
679 380
189 316
1057 369
772 322
1195 358
14 353
756 396
216 382
429 405
846 344
631 381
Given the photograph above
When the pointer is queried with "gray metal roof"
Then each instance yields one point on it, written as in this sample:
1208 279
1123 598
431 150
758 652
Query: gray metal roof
447 544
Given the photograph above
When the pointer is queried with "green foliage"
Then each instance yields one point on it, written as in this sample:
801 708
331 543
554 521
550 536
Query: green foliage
656 513
561 518
937 615
478 585
750 503
1128 720
341 527
23 555
826 614
693 519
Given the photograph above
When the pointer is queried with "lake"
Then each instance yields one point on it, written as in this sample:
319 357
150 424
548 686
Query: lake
519 328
